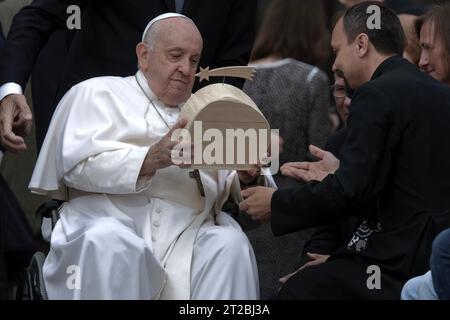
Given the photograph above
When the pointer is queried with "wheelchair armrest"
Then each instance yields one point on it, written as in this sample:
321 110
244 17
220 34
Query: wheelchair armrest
49 210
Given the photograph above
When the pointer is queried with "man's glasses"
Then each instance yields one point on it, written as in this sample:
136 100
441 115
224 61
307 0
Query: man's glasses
342 91
338 91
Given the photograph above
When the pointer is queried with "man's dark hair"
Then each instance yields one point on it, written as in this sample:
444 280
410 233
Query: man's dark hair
389 39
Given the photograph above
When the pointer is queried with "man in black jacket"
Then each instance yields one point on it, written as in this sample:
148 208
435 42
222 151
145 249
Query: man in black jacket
105 45
393 171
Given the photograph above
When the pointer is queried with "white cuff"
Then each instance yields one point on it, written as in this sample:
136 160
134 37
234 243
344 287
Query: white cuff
268 178
141 182
10 88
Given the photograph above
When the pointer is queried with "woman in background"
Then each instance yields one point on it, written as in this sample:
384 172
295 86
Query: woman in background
289 88
293 94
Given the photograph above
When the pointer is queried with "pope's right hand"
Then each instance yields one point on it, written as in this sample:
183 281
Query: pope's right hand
159 156
15 122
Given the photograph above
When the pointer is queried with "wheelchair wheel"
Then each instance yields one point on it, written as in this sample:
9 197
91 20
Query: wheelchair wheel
34 286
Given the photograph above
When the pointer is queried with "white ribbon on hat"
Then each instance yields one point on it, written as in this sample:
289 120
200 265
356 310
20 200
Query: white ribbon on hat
162 17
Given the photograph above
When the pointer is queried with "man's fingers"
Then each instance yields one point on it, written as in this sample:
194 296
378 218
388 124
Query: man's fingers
243 206
297 165
8 105
22 126
310 264
288 172
314 262
6 123
13 143
15 120
249 192
6 118
24 111
306 265
248 205
28 126
303 175
297 174
284 279
258 218
12 138
314 256
9 140
317 152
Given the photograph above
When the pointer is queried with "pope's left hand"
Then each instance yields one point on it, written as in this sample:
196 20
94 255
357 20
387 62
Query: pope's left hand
257 203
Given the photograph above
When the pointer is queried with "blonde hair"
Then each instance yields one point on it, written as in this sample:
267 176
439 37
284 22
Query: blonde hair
412 50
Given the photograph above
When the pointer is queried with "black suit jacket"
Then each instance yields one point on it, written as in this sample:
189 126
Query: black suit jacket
396 157
2 38
45 80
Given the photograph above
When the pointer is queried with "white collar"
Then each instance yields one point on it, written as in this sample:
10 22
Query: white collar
144 84
150 94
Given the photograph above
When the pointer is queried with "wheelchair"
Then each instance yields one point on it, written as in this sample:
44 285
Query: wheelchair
33 285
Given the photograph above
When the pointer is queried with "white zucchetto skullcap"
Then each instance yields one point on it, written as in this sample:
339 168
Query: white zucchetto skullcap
162 17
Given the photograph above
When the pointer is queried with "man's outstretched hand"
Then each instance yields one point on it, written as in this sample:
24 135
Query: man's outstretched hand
15 122
308 171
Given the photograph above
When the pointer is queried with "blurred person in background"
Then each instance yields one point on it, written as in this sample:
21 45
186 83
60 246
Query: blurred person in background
290 48
325 240
433 30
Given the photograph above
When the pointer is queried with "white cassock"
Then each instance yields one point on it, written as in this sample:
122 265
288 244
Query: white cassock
125 237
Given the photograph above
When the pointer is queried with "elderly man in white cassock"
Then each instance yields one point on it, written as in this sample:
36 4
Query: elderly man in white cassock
134 225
